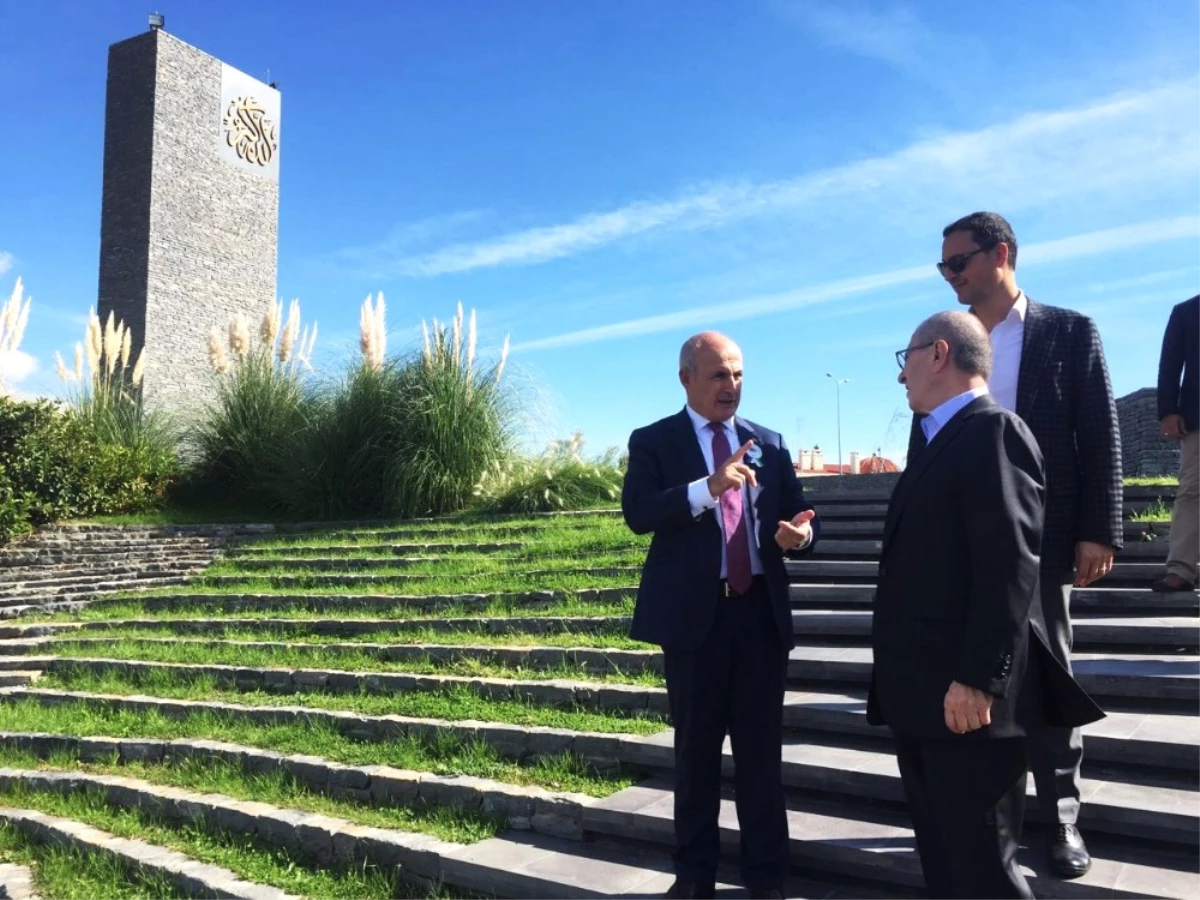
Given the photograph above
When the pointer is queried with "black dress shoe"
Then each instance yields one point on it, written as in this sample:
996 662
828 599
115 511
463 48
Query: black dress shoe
691 890
1069 857
767 895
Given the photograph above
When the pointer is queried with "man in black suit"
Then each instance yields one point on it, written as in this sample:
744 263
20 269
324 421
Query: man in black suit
961 668
720 497
1049 369
1179 419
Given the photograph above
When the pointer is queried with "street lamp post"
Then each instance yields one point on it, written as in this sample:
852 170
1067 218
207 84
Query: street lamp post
837 385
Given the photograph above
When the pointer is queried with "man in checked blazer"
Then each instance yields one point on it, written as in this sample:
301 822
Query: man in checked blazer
1049 369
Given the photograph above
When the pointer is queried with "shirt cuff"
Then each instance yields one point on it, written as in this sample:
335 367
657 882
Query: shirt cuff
699 498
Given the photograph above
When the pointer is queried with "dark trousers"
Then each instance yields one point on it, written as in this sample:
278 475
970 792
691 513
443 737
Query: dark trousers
734 683
1055 753
966 800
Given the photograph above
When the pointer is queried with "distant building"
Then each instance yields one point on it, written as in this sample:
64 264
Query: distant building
812 462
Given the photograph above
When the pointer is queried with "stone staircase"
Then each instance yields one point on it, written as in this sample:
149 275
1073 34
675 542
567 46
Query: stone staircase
1137 652
70 564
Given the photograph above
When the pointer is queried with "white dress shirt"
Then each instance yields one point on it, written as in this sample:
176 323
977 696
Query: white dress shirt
700 499
936 420
1007 339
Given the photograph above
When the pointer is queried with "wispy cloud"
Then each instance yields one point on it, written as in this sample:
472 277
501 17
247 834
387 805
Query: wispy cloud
1124 143
1075 247
894 35
6 261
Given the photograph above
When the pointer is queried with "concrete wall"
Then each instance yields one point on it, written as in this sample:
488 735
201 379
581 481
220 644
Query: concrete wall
187 237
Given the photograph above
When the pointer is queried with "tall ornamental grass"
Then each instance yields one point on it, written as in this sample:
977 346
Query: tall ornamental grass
560 479
403 436
241 442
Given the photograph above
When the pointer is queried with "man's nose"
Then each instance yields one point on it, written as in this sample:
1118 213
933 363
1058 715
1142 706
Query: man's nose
900 378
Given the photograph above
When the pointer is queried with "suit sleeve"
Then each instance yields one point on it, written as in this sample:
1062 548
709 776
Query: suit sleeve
1098 443
792 499
1170 365
647 503
1004 501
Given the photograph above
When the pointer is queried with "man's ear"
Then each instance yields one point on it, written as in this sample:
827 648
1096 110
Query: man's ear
685 377
941 354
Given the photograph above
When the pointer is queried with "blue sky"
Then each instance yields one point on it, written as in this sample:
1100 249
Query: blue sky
601 179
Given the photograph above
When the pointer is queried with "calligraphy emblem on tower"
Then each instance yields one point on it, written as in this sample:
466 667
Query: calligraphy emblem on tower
249 132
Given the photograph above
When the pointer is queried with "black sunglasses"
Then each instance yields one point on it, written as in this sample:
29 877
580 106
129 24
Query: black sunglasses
902 355
956 264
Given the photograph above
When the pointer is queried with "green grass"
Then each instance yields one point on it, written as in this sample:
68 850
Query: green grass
456 704
1152 481
445 755
1157 511
279 789
500 583
612 636
69 874
501 607
207 652
247 857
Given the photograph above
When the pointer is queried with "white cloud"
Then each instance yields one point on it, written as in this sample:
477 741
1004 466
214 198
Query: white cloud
6 261
894 36
15 367
1133 143
1075 247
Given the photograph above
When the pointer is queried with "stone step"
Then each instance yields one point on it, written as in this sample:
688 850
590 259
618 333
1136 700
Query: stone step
1124 678
49 558
345 603
253 552
1166 811
600 696
1177 632
1136 602
343 627
1123 574
869 547
16 882
85 590
534 866
10 678
85 581
316 563
521 807
593 660
1166 741
350 580
869 842
872 528
193 877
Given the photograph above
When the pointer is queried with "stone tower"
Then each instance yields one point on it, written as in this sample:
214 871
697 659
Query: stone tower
190 209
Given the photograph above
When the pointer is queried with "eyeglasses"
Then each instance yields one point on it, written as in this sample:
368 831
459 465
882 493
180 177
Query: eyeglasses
902 355
956 264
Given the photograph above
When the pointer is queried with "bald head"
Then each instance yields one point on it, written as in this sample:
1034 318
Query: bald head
710 370
970 346
713 341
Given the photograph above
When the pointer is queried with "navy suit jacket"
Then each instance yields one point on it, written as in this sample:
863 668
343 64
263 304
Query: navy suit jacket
677 598
1179 365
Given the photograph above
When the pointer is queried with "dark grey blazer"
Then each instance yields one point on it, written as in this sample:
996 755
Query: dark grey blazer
1064 396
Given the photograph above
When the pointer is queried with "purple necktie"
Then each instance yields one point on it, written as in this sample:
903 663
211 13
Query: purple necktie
737 547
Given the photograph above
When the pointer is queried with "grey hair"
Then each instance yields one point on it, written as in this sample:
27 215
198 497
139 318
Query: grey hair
970 346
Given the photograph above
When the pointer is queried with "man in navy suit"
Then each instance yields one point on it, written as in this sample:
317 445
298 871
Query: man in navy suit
720 497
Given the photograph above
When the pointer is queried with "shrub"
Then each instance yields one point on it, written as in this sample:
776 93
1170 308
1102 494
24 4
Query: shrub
558 480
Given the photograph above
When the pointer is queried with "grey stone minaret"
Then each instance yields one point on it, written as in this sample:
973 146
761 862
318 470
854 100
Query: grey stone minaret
190 211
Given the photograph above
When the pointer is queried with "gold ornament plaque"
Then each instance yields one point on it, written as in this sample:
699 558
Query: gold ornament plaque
249 132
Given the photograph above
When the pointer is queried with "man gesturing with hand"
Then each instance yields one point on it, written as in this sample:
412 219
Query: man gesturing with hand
720 497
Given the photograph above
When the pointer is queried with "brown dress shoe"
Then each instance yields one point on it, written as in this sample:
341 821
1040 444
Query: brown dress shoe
1170 583
691 890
